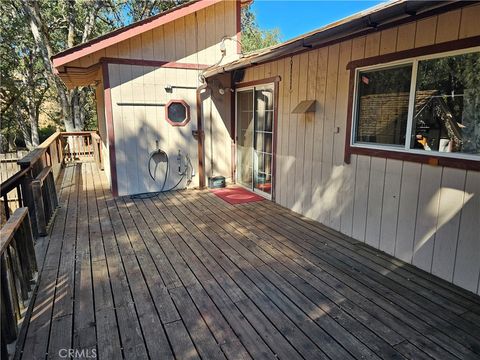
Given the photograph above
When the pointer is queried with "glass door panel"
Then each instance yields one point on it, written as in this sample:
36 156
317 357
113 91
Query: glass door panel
255 139
245 135
263 149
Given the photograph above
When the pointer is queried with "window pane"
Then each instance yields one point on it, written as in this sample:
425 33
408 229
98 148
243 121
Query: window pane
177 112
264 99
245 137
382 105
447 105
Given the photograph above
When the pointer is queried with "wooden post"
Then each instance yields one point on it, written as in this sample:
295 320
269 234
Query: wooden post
29 243
6 208
17 272
4 351
9 323
12 287
26 186
100 158
39 208
53 190
95 154
60 150
27 263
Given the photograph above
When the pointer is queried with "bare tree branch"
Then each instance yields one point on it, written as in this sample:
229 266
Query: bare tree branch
90 19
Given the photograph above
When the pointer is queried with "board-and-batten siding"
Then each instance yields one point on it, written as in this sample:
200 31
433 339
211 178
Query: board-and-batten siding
179 40
428 216
193 39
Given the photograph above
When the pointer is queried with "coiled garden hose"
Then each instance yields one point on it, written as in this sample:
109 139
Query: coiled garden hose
158 156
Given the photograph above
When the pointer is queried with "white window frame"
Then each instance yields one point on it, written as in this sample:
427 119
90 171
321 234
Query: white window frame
411 107
262 86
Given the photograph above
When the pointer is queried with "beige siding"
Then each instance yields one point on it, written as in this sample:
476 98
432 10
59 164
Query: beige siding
138 128
179 40
424 215
193 39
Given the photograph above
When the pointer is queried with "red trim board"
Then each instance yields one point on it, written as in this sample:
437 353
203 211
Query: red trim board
128 32
154 63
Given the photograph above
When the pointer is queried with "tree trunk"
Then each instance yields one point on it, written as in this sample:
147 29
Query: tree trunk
40 35
33 118
24 129
70 101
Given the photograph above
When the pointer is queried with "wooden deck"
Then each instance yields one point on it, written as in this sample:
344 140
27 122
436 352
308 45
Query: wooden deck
189 276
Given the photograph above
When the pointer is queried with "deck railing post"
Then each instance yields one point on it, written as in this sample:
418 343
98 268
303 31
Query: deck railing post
30 244
99 148
9 321
4 350
19 277
61 155
52 190
26 250
26 187
39 207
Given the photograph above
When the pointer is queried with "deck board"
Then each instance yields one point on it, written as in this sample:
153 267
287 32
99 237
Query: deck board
185 275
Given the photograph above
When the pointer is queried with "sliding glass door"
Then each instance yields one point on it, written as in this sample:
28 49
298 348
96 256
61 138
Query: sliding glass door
255 114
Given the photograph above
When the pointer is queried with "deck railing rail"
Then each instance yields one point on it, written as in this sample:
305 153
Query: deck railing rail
30 216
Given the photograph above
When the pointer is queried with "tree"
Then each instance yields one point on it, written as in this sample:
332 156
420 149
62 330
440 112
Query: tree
62 25
33 31
254 38
23 85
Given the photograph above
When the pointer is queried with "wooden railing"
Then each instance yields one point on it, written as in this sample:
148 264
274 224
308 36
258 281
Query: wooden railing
34 179
18 274
97 150
36 203
44 199
78 145
8 167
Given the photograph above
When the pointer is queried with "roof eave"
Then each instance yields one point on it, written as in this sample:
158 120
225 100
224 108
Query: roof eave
128 32
372 19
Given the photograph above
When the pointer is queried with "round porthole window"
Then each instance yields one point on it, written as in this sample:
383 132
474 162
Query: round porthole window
177 112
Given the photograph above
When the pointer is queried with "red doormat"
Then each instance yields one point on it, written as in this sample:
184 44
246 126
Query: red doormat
237 195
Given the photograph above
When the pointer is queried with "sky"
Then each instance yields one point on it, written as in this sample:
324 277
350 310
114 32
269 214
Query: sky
297 17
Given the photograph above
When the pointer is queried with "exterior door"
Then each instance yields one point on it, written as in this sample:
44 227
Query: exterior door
255 116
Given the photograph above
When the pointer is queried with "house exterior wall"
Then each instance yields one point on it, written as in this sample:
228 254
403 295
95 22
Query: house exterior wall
422 214
138 128
193 39
218 129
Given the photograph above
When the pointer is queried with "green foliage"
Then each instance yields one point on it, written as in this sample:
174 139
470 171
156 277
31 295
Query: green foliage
124 12
26 94
46 131
24 85
254 38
